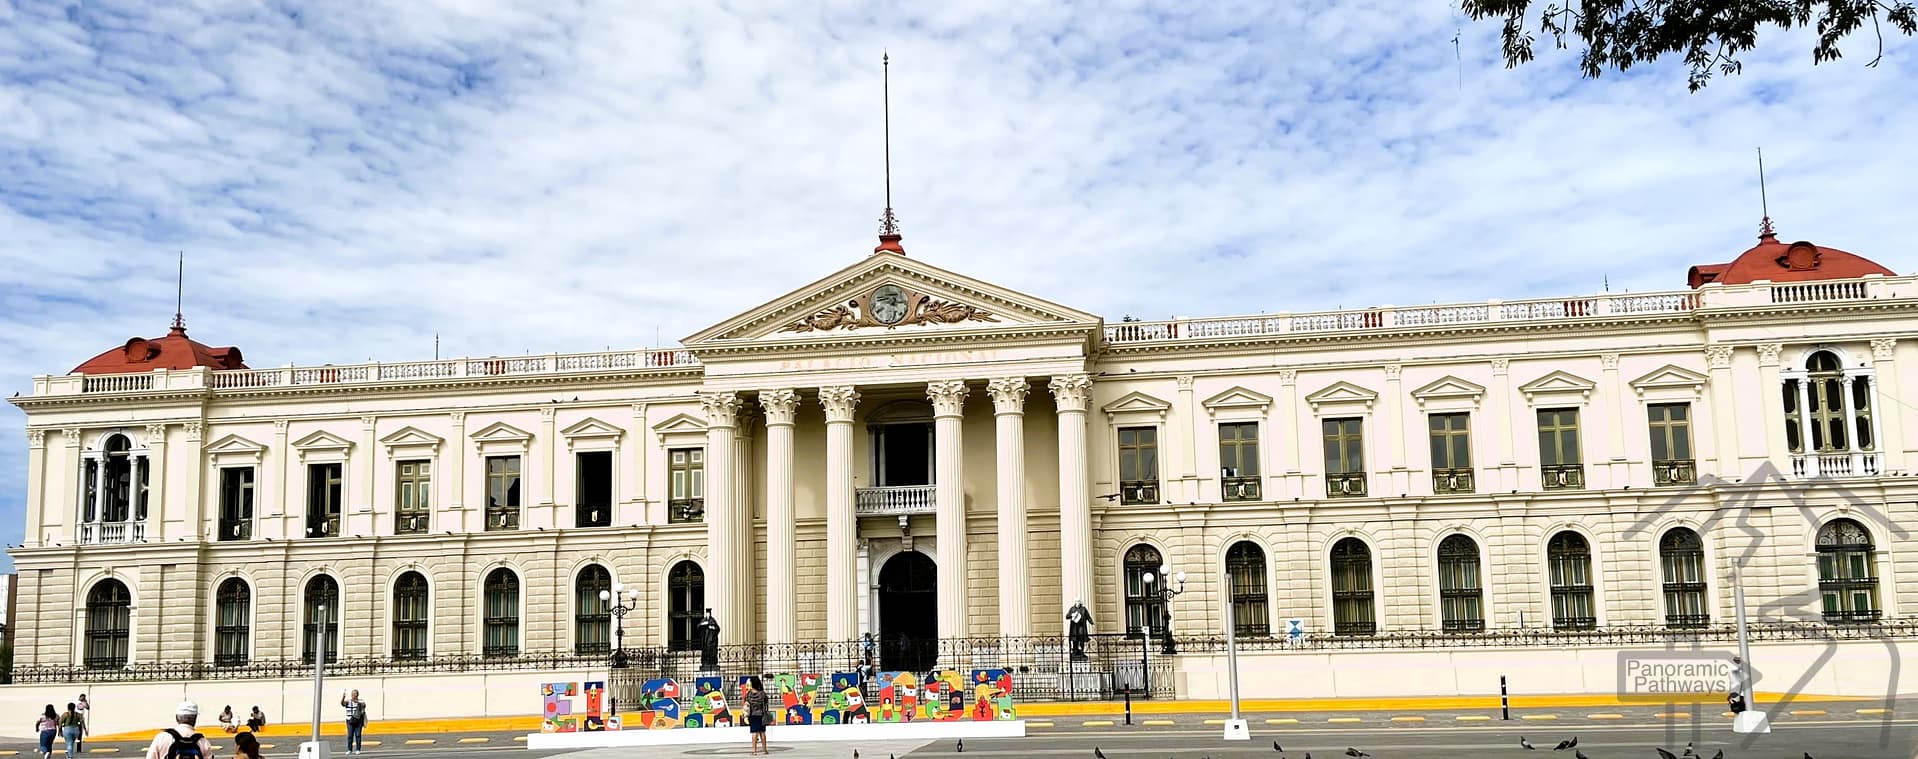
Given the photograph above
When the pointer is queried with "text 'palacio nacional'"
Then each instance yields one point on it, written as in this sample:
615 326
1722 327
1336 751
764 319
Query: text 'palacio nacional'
905 463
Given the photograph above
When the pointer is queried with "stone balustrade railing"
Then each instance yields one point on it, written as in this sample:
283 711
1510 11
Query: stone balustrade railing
369 373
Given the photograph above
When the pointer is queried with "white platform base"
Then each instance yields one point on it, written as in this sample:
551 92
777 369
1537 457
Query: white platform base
1751 721
1237 730
700 736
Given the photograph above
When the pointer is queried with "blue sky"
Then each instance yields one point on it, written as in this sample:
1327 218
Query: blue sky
350 178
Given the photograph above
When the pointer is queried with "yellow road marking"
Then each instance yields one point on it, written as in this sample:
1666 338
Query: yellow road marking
1672 715
1807 712
1472 718
1727 714
1282 721
1158 722
475 740
369 743
1874 711
522 738
8 752
1028 724
265 746
420 742
1215 722
1604 716
1408 719
107 750
1096 723
1345 719
1539 716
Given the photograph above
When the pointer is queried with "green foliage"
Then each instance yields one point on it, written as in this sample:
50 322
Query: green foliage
1710 34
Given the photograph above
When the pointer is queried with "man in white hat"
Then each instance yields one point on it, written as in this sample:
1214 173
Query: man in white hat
181 741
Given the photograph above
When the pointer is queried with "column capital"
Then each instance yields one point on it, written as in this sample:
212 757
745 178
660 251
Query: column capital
948 397
1768 353
156 434
1008 394
279 425
1072 391
72 435
36 438
1501 365
780 405
1392 371
1719 356
1882 347
1610 361
721 407
839 400
193 430
458 417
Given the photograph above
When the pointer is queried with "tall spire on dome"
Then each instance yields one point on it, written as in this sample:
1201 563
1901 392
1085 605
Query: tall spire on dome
179 298
889 235
1765 231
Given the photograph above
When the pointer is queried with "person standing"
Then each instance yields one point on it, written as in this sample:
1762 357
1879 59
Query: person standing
181 741
758 713
86 720
355 721
70 726
48 725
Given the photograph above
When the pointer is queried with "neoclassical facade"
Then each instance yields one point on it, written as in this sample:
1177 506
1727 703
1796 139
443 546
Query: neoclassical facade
910 452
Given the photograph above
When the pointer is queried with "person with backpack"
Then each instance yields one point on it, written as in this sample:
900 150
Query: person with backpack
48 725
181 741
71 723
355 722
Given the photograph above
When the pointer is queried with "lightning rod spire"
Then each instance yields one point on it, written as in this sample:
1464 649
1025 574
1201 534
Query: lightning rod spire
179 296
1764 203
889 235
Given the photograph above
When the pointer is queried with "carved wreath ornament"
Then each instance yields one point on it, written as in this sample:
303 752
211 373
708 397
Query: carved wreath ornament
890 306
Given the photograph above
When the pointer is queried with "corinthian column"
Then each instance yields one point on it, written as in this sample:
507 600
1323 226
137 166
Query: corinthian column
1072 392
842 525
781 624
948 416
1009 419
722 525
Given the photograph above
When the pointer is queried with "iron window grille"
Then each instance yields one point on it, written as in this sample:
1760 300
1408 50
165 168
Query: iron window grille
233 602
1144 601
109 625
502 614
686 601
592 617
321 590
1571 577
1681 556
1847 572
1352 599
410 609
1245 571
1461 591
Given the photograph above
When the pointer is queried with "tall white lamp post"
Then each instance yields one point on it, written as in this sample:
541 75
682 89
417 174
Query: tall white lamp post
1235 728
1751 720
315 748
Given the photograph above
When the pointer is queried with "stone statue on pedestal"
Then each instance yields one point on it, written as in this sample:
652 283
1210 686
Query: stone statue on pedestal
709 642
1079 620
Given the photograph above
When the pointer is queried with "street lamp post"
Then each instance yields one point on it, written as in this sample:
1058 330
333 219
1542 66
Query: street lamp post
1166 593
619 601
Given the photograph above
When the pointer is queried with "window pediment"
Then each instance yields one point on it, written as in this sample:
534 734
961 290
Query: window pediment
1670 379
412 438
1558 386
1136 406
591 429
234 449
1449 392
500 436
1341 395
682 427
323 444
1238 401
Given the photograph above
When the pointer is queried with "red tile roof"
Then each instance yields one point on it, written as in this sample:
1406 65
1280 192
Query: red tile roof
175 351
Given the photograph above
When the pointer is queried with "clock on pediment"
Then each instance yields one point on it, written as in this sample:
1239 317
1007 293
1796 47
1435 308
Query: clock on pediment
890 305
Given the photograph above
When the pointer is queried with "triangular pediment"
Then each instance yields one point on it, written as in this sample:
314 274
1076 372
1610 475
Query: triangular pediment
888 294
234 444
1238 397
412 437
322 441
1137 403
590 427
1449 387
1341 392
1669 376
1558 383
501 432
681 423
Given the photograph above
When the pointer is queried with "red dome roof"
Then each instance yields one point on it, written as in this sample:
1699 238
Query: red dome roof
175 351
1786 262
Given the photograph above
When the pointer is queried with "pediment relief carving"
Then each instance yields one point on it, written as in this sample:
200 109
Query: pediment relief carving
890 305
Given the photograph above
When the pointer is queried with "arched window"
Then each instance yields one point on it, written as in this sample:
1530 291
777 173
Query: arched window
685 605
502 613
1352 603
322 605
1245 569
1847 572
114 502
1461 591
410 607
592 618
1681 556
232 626
1828 418
1570 558
1144 604
109 624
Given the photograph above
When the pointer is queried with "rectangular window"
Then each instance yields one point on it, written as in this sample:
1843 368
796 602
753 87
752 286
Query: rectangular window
325 496
686 482
1239 461
1794 418
502 493
1671 426
1451 438
236 503
1139 464
1559 462
593 494
413 499
1344 457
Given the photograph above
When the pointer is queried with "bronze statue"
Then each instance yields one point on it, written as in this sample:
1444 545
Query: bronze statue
709 642
1080 620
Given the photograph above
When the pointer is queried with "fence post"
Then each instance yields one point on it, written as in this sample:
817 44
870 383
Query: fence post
1504 700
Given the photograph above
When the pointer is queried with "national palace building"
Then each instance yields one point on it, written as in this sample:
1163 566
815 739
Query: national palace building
911 453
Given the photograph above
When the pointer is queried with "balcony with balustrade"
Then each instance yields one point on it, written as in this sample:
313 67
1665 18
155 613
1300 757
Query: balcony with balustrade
893 501
111 533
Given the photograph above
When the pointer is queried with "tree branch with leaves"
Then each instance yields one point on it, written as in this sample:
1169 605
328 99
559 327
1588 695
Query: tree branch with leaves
1708 34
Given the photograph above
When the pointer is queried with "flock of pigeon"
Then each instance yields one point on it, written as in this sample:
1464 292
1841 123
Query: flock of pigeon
1569 743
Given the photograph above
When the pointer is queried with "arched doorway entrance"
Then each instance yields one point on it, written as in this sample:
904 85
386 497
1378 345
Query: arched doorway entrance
908 613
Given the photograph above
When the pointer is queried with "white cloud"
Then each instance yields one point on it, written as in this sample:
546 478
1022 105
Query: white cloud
350 178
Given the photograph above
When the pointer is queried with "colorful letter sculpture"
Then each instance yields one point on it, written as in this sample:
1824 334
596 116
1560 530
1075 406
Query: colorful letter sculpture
805 698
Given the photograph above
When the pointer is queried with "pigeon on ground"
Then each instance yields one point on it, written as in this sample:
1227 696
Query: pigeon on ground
961 748
1719 755
1097 754
1525 744
1688 750
1577 754
1349 751
1663 754
1275 747
1562 745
